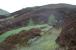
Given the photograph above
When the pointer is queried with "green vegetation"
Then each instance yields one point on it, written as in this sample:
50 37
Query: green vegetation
51 20
6 34
31 23
46 42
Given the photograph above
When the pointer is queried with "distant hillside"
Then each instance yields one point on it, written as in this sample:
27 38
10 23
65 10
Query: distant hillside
3 12
41 14
45 7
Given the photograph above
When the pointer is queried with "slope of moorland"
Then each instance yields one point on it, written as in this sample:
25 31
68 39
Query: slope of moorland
39 15
45 42
43 17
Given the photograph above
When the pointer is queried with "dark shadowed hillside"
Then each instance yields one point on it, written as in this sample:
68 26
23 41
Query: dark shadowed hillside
67 37
42 13
39 15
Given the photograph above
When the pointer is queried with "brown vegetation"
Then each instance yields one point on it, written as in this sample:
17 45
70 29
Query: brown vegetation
21 38
67 38
38 14
4 46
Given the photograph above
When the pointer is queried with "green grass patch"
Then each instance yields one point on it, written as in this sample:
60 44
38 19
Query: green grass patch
46 42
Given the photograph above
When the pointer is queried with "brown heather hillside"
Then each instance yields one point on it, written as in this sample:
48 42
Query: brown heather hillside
67 38
38 14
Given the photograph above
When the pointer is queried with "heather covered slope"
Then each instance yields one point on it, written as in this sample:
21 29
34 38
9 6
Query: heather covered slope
67 37
39 15
53 15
